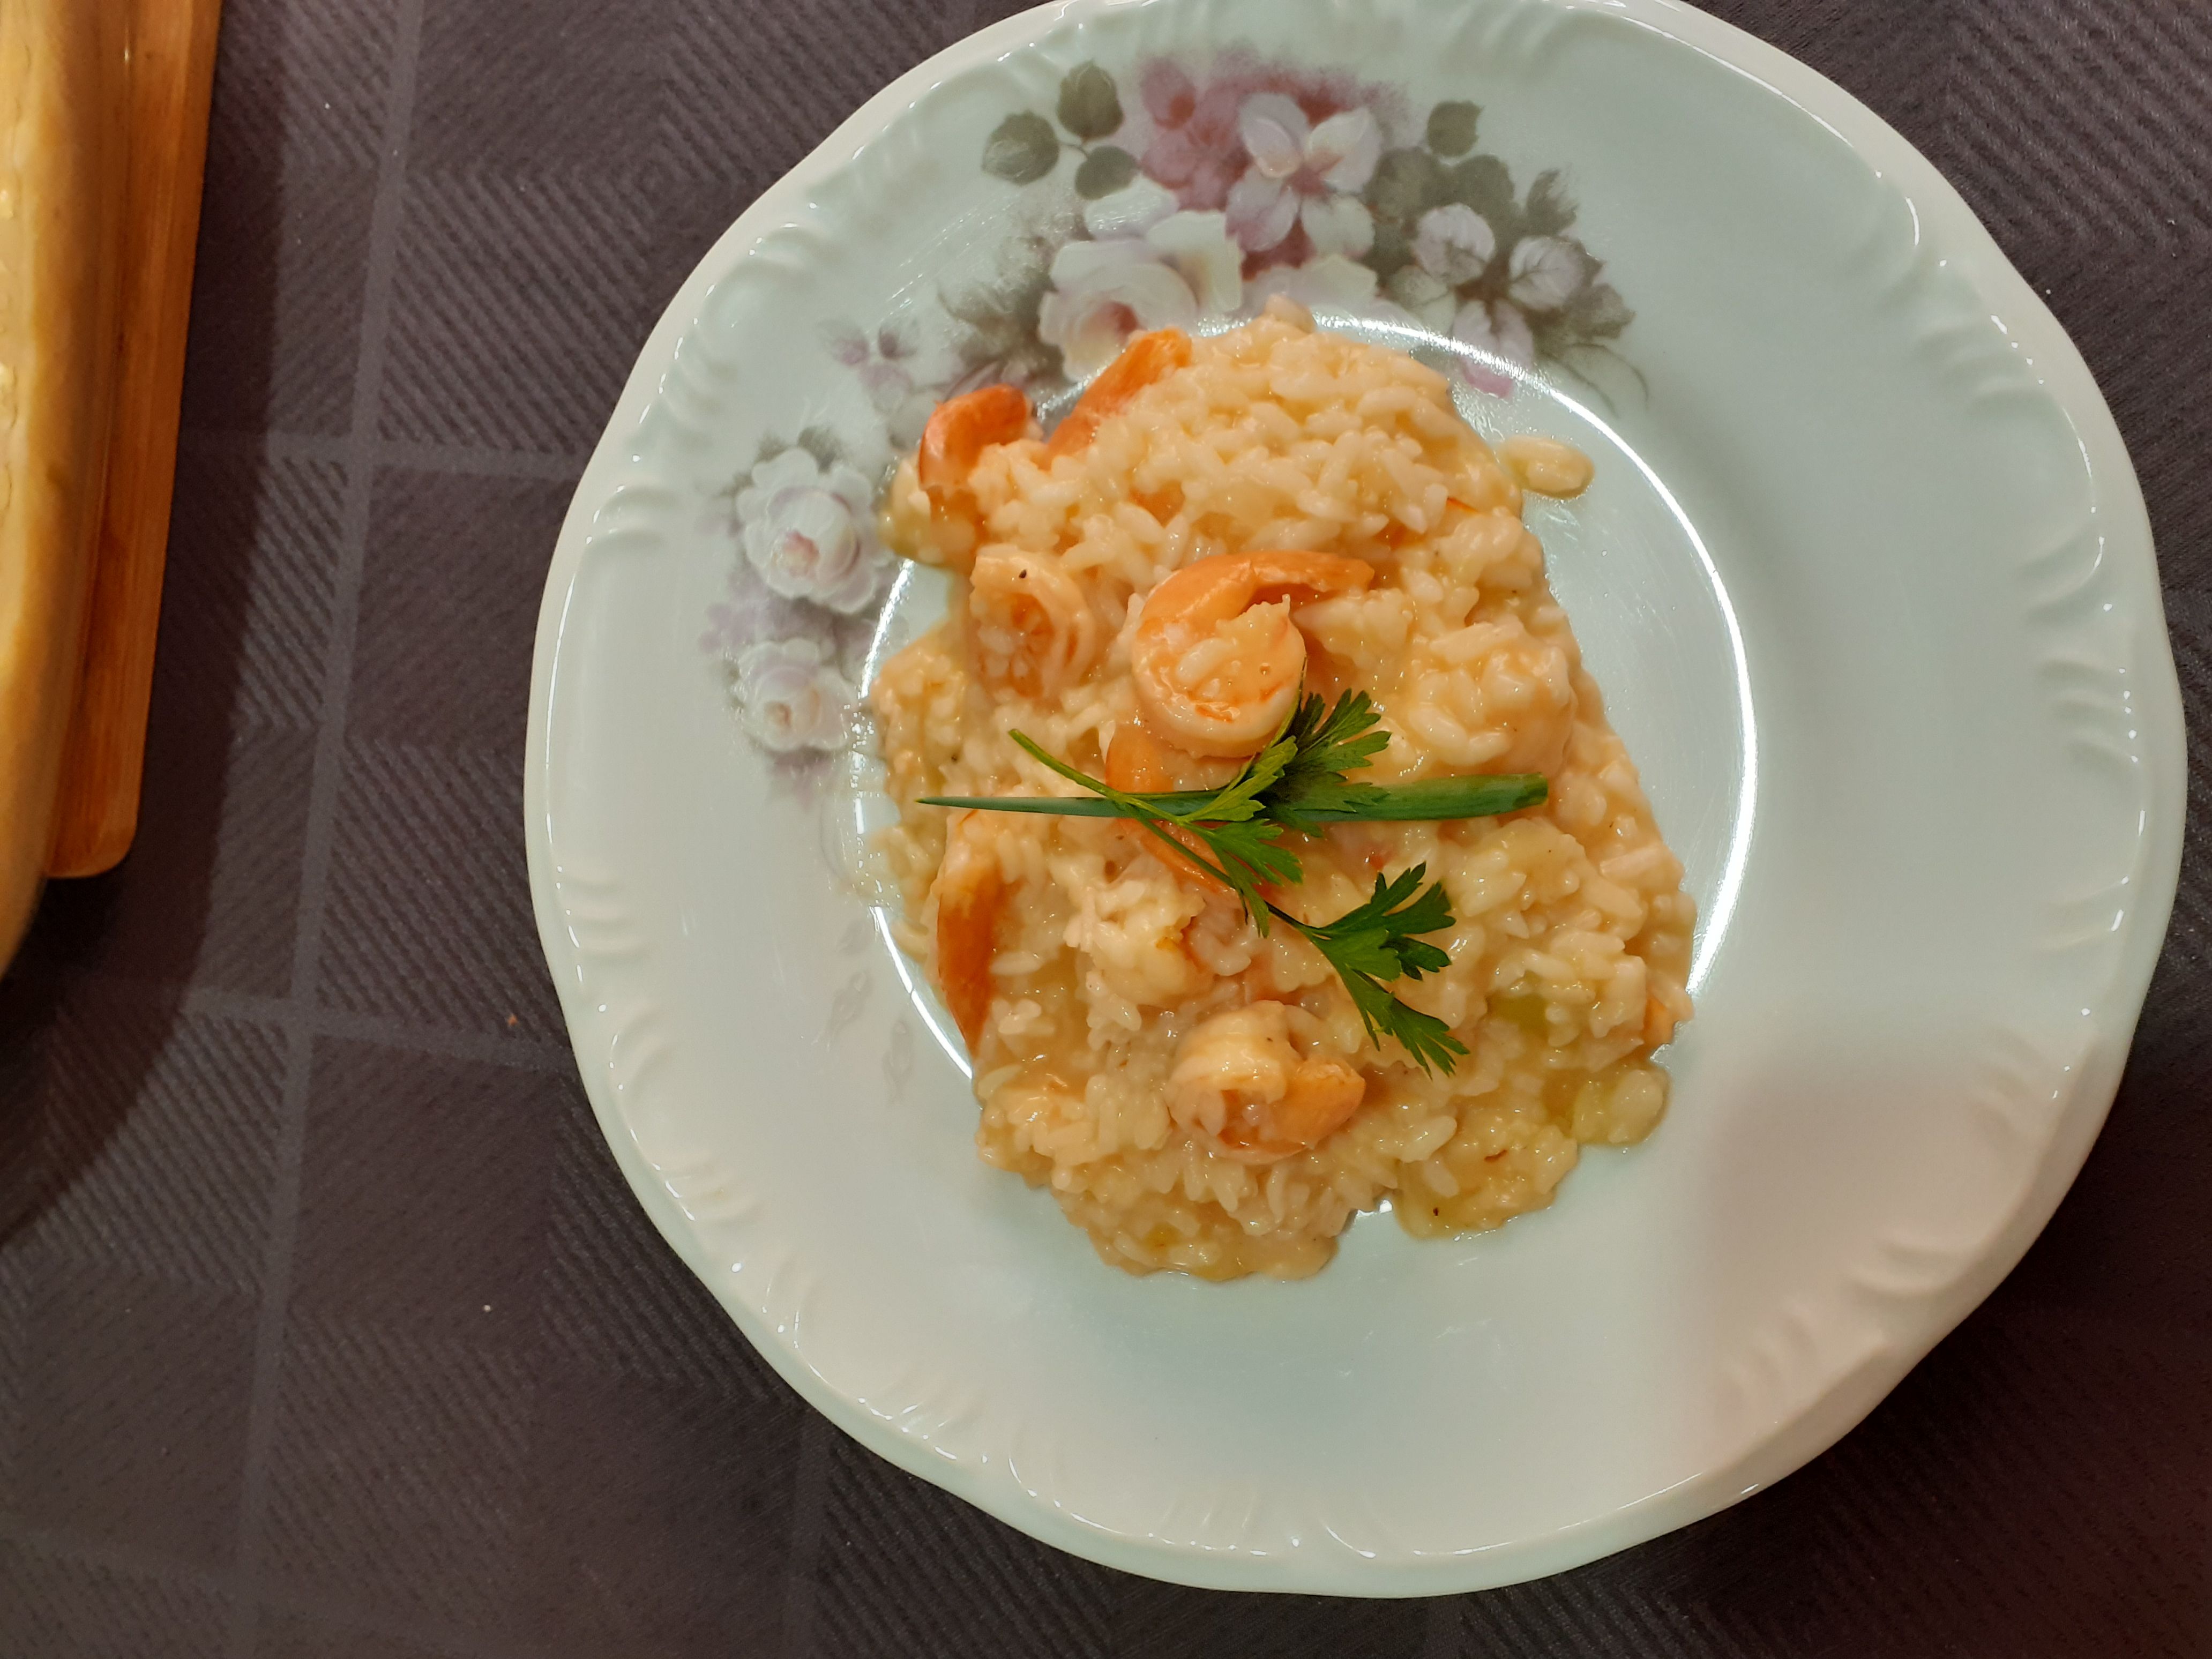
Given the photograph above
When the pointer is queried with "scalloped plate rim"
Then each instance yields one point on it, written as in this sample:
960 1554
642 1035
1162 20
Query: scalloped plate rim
2066 381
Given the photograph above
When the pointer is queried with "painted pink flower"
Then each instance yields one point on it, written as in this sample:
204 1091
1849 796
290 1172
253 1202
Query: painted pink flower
1196 150
1305 175
1198 144
750 611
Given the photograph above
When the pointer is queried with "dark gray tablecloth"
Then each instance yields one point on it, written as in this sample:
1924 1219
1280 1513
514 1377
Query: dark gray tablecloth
326 1325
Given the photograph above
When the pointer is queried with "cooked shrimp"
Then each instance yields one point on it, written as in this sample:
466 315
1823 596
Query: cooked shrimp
1034 630
1139 763
1217 659
1243 1086
933 514
970 894
1148 358
961 429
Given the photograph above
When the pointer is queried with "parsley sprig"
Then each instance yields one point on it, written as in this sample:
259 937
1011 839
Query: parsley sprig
1297 784
1377 943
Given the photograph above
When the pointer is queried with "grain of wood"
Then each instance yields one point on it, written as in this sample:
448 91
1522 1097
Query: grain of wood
173 43
62 184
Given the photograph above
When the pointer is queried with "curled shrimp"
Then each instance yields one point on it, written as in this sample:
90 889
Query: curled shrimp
970 894
959 431
1216 658
1034 628
1242 1085
933 515
1148 358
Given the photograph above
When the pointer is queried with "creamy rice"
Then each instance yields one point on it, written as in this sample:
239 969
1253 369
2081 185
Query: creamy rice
1128 997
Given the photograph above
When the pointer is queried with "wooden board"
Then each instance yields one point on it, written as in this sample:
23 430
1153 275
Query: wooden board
63 91
172 77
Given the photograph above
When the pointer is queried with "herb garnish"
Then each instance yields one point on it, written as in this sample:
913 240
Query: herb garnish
1297 783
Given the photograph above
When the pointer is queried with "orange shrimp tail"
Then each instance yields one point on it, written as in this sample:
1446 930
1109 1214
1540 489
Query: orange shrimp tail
1222 583
1184 865
962 428
1284 575
967 941
1148 358
1140 763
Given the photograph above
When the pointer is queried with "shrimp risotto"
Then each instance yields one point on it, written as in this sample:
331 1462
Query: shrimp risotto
1297 867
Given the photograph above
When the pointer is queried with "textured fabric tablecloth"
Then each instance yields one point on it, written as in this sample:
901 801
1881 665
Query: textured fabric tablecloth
327 1327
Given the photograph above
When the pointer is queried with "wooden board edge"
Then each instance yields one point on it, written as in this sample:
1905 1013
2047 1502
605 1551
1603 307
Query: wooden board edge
172 74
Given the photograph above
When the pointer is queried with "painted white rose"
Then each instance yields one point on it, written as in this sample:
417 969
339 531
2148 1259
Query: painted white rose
1129 211
1180 267
1205 255
1331 283
809 532
791 696
1102 292
1301 173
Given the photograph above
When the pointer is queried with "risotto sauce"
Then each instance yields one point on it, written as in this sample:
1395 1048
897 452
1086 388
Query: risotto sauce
1219 525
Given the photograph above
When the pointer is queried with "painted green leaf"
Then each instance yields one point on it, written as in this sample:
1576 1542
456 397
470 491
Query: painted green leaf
1483 183
1451 128
1407 183
1104 171
1089 106
1022 149
1549 211
1599 312
999 318
1392 250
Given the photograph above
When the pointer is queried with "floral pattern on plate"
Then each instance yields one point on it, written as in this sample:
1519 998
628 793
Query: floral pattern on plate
1189 203
798 604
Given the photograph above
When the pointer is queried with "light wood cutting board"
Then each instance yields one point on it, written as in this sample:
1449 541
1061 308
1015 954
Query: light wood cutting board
171 79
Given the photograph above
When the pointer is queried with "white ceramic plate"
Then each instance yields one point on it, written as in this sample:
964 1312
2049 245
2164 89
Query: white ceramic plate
1866 578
